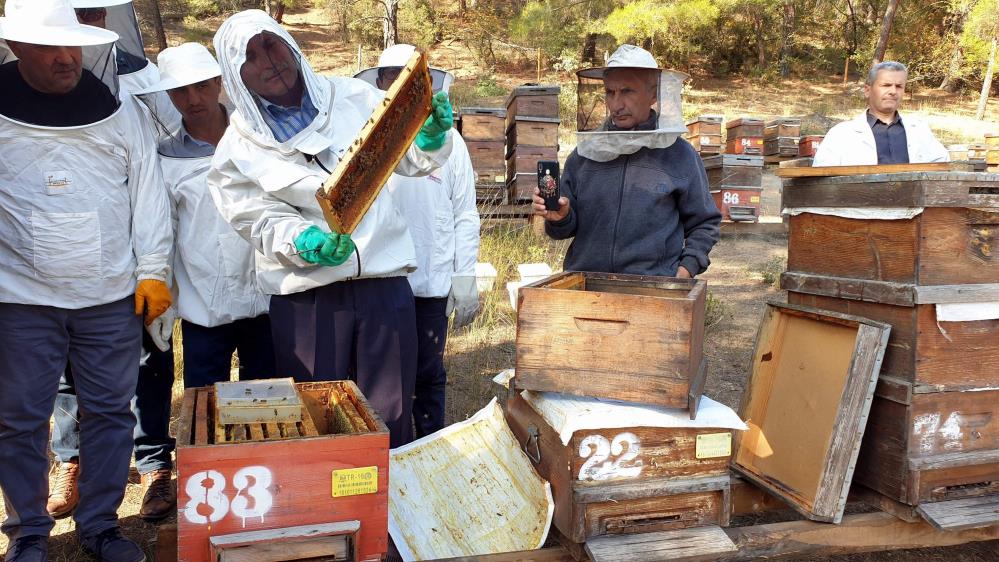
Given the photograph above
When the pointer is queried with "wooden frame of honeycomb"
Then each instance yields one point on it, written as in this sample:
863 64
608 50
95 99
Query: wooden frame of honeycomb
355 183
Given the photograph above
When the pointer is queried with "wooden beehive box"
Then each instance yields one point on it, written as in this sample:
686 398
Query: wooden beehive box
486 155
781 146
734 171
483 124
247 493
744 127
806 403
491 193
744 145
809 144
922 448
738 203
705 125
521 187
660 479
372 158
705 143
524 159
532 131
783 127
626 337
532 100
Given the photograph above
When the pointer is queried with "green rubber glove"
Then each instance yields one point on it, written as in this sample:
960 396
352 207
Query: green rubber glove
324 248
434 131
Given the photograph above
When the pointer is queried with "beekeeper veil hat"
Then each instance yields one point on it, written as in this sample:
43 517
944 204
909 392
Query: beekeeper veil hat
117 16
54 23
597 136
397 56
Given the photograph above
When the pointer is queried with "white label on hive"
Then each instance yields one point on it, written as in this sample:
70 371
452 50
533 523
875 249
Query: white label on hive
713 445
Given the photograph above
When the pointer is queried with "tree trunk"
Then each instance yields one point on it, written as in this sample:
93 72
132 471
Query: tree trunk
846 69
987 84
785 44
390 25
879 52
950 81
589 48
157 18
279 15
462 8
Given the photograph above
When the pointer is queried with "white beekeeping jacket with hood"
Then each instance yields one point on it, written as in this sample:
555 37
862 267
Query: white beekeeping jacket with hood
439 208
213 266
266 189
84 210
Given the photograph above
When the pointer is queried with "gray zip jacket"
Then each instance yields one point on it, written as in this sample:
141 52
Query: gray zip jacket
645 213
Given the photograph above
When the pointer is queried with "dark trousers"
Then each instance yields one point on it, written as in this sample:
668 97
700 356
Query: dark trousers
431 379
103 344
153 445
363 330
208 351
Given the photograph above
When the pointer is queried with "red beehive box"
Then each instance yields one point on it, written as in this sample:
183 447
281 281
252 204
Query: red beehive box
808 145
744 145
256 486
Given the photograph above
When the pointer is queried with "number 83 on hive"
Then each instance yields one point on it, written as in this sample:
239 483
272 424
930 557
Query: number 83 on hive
312 483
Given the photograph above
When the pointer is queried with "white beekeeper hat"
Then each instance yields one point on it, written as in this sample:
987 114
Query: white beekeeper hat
626 56
49 22
97 3
183 65
398 55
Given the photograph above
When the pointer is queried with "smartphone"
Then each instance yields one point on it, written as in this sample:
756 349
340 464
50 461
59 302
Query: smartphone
548 183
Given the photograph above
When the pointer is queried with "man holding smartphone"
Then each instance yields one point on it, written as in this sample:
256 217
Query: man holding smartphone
633 195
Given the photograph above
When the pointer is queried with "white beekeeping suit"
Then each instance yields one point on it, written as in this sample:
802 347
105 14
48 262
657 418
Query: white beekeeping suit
84 206
266 189
135 71
597 139
213 265
440 211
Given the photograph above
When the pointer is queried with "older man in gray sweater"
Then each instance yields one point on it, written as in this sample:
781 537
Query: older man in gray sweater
635 197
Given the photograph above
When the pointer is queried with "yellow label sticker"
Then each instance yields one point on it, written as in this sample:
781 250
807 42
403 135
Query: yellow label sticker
754 199
355 481
713 445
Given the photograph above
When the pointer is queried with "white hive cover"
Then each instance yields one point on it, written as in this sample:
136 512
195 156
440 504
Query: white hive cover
468 489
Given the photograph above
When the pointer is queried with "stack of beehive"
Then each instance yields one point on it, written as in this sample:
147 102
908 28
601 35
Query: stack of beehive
744 136
532 121
705 134
807 145
736 184
620 479
780 139
992 152
914 250
483 129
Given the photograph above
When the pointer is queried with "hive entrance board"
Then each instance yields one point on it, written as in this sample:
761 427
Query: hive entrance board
355 183
814 367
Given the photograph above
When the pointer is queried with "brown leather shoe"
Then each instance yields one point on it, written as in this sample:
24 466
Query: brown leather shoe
158 498
63 492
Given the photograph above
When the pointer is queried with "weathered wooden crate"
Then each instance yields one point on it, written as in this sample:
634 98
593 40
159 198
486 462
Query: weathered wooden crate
927 355
532 101
490 176
783 146
491 193
921 448
627 337
734 171
738 203
524 159
744 127
744 145
783 127
705 143
483 124
520 187
258 491
532 131
806 403
486 155
705 125
977 151
951 242
674 487
809 144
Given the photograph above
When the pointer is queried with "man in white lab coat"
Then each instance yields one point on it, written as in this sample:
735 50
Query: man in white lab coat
880 135
442 218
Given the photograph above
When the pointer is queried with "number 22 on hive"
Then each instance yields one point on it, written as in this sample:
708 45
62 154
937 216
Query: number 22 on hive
209 501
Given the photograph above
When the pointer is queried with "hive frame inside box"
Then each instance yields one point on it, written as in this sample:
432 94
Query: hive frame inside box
808 465
633 338
266 486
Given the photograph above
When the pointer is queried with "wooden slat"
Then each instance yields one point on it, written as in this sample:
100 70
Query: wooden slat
201 421
885 292
329 542
955 515
684 545
647 487
256 432
184 435
948 294
884 503
307 427
826 171
273 431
